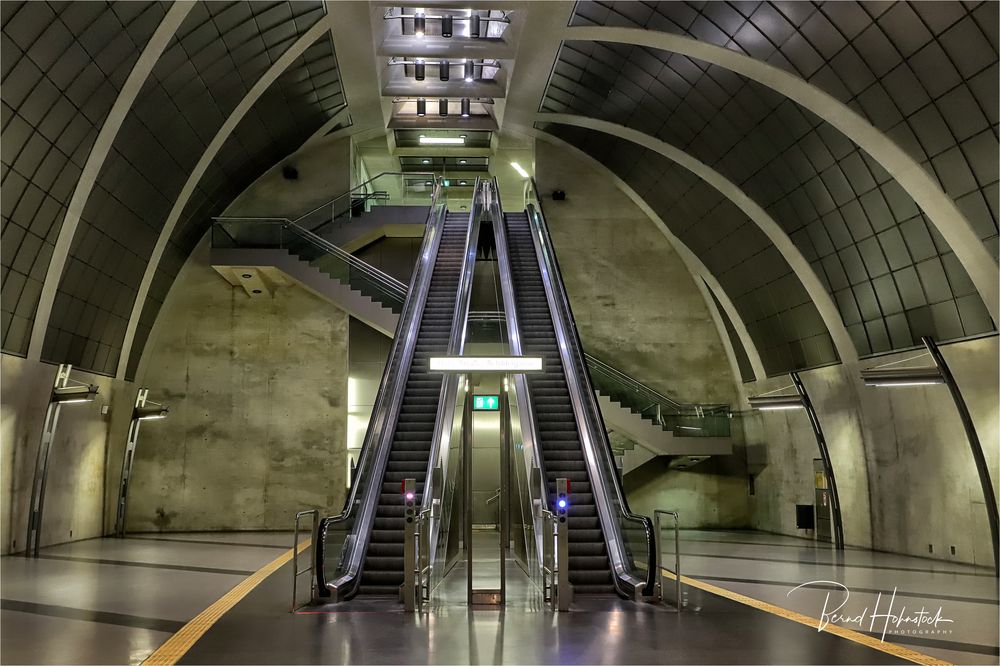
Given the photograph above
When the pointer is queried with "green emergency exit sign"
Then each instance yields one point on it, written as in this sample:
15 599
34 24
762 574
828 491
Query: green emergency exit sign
485 403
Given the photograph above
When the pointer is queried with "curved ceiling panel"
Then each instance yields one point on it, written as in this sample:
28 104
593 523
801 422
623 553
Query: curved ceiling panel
63 67
299 102
892 277
779 315
925 73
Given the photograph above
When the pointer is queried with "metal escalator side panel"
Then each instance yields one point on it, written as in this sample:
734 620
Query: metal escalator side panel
596 447
360 506
445 417
526 415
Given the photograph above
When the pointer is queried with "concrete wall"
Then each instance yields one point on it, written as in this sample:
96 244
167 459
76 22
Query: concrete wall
635 302
324 172
711 494
257 389
904 470
75 493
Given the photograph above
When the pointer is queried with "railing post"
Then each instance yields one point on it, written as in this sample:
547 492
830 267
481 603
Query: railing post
677 554
295 558
409 546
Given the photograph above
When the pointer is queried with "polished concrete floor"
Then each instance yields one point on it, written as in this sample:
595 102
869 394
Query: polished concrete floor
769 567
114 601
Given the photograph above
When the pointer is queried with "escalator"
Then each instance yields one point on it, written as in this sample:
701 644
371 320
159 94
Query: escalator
590 570
360 551
609 547
411 443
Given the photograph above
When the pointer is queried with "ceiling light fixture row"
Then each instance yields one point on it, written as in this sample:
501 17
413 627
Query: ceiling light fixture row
465 106
474 20
469 66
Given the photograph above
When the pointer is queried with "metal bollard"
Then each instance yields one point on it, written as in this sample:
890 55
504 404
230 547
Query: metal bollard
564 591
677 554
410 545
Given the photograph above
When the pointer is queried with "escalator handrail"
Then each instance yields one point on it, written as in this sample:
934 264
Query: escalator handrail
385 414
594 433
444 420
525 407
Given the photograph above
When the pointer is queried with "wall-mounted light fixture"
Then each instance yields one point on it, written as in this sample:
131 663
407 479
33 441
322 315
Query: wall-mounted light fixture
447 25
800 400
421 107
466 107
143 410
769 403
474 25
419 70
444 70
443 106
65 391
470 70
940 373
419 24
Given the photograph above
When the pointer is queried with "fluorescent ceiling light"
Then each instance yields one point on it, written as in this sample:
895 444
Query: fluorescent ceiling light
519 169
441 141
486 364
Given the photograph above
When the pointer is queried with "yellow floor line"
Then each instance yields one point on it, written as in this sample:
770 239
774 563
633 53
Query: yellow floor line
843 632
177 645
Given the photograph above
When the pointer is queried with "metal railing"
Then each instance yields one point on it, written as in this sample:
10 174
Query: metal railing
534 462
682 419
295 558
256 233
677 555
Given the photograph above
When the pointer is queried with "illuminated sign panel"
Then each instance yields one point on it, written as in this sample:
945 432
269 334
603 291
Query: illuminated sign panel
485 403
486 364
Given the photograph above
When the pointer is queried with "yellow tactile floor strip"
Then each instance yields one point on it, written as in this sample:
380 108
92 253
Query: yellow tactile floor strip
177 645
843 632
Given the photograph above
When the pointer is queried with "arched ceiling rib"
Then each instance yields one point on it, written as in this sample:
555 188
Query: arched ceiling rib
280 112
69 73
815 182
814 288
946 56
217 56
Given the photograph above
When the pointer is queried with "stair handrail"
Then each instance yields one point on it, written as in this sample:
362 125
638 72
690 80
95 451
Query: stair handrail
648 392
525 406
593 432
381 428
388 284
444 420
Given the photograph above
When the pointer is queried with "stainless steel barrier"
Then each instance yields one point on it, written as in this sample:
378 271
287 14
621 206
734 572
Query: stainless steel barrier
295 558
677 555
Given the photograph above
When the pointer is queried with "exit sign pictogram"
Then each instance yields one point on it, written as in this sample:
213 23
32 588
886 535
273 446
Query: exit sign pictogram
485 403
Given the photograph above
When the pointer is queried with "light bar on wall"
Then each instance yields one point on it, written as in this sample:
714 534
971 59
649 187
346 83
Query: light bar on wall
519 169
922 376
442 141
771 403
463 364
75 393
150 411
